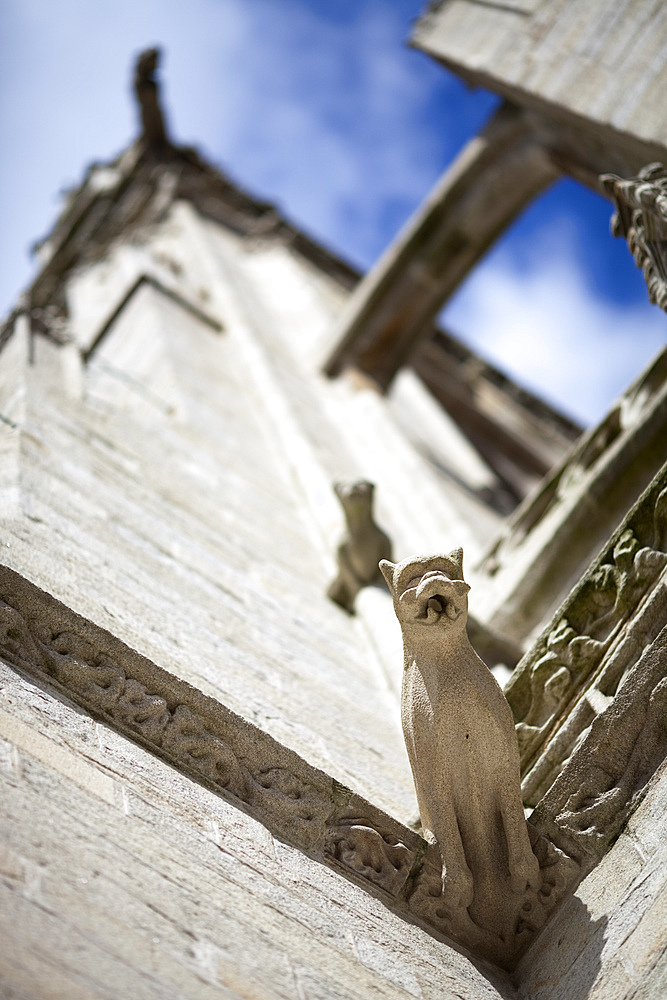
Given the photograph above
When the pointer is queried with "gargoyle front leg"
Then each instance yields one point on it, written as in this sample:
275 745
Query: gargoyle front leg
523 865
457 881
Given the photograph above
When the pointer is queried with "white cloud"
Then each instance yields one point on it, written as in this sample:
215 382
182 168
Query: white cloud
548 329
329 118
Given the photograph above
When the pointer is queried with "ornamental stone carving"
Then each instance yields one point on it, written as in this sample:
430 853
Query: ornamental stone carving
463 750
376 854
591 696
587 806
598 612
641 218
147 92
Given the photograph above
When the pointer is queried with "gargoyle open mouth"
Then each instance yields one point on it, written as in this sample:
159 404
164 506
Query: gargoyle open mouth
433 596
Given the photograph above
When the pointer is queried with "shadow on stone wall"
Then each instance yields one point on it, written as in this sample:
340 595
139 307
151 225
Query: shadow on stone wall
566 960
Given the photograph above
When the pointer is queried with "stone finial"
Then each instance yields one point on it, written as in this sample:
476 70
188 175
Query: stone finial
462 746
641 219
363 545
147 90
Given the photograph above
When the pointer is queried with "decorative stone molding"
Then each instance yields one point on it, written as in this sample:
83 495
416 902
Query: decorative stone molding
203 739
588 696
523 918
374 853
192 732
641 219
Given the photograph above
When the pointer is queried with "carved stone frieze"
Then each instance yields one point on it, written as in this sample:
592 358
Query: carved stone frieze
524 918
591 695
284 792
375 854
203 739
590 625
605 777
190 731
567 654
641 219
186 738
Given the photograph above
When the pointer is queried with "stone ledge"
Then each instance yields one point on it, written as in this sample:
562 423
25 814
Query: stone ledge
217 748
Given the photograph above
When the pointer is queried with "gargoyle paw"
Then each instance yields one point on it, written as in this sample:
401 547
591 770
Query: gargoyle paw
526 875
457 887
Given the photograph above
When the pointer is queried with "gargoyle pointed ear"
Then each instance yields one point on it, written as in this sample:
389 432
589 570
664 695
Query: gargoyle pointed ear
456 555
387 568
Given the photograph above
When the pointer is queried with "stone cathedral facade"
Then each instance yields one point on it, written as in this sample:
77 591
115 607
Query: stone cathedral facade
205 788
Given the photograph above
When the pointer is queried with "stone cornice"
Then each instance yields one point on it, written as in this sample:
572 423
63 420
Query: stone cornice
206 741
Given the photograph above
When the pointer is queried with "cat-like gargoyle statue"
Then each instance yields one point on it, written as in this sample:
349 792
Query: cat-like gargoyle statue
462 746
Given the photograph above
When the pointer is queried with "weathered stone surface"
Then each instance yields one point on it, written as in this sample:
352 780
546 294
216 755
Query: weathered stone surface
171 444
166 890
606 775
596 70
608 940
588 697
206 741
147 520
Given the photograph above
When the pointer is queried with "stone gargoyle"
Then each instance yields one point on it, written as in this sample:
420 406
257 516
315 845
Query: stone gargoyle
363 545
462 747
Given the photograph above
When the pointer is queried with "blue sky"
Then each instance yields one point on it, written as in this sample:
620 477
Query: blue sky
320 106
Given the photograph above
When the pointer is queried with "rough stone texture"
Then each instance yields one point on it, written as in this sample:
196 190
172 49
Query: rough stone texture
119 877
608 941
146 481
596 67
204 740
143 506
235 823
588 698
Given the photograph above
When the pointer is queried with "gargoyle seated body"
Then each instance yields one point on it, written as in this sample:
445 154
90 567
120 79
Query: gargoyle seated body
462 746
